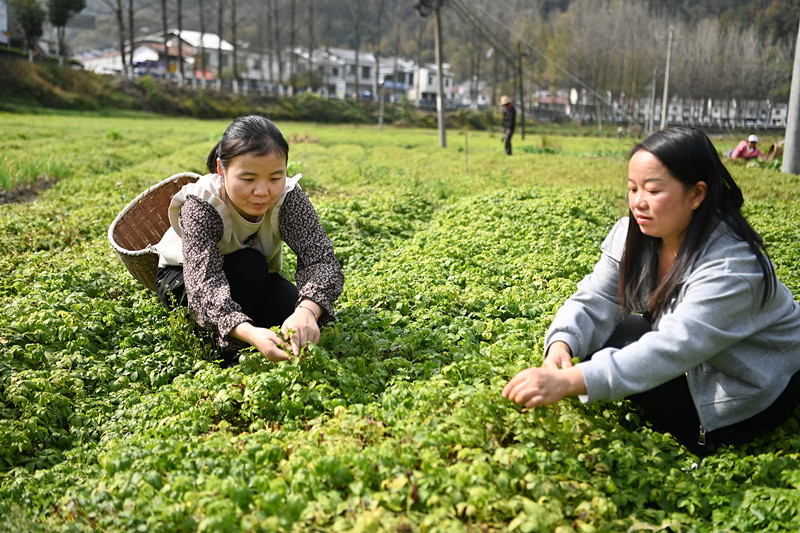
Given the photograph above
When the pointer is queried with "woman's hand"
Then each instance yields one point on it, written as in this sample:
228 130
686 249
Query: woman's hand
263 339
544 386
303 323
558 356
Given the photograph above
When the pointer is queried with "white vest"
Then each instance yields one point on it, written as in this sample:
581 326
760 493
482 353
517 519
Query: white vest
238 233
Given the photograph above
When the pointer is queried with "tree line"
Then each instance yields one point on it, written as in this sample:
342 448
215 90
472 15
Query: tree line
613 48
619 47
31 16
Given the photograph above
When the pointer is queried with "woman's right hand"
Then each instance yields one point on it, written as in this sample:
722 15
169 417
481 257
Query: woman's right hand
558 356
263 339
544 386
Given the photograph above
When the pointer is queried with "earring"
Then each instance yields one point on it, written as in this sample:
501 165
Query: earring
696 206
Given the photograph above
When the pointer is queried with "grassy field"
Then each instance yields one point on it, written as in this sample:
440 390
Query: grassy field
114 417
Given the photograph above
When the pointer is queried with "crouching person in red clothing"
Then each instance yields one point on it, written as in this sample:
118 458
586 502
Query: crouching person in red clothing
747 150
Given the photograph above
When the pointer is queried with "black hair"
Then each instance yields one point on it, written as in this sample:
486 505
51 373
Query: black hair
690 157
248 134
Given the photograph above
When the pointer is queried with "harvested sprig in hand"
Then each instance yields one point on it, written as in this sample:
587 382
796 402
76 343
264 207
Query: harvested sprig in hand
683 314
222 254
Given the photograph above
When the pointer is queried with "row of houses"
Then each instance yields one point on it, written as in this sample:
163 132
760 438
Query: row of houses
191 57
205 58
713 113
758 114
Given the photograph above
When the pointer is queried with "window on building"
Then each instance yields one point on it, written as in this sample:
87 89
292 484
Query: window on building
335 72
365 72
430 80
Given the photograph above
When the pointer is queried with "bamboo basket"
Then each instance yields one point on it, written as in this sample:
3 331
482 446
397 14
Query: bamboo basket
775 151
142 224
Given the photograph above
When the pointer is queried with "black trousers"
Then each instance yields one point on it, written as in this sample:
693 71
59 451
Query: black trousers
267 298
507 143
670 408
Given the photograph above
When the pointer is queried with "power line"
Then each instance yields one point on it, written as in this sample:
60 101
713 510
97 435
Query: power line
477 21
470 19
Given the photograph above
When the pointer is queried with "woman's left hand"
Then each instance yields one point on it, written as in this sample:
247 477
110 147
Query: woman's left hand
303 323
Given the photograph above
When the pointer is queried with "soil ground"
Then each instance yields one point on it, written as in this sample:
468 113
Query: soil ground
27 192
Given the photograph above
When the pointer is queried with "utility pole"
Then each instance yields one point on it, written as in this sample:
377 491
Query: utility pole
791 149
651 112
521 91
664 99
179 71
425 8
440 101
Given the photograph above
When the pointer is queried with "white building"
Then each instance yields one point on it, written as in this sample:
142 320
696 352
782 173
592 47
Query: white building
397 75
471 95
336 74
5 31
777 114
199 56
426 87
110 61
339 75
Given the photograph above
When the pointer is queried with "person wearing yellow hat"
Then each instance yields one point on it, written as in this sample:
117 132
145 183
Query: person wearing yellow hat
747 149
509 121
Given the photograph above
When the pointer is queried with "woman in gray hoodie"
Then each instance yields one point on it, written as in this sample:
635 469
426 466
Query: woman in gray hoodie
683 313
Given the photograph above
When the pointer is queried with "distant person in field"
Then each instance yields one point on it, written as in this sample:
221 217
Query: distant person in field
683 314
222 254
509 121
747 149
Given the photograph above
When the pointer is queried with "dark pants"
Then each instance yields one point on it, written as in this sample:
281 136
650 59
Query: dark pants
670 408
507 143
268 299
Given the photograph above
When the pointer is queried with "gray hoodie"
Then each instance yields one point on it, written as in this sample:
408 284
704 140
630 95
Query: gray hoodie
738 356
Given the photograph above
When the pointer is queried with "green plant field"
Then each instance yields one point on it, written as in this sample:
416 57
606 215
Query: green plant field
114 417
